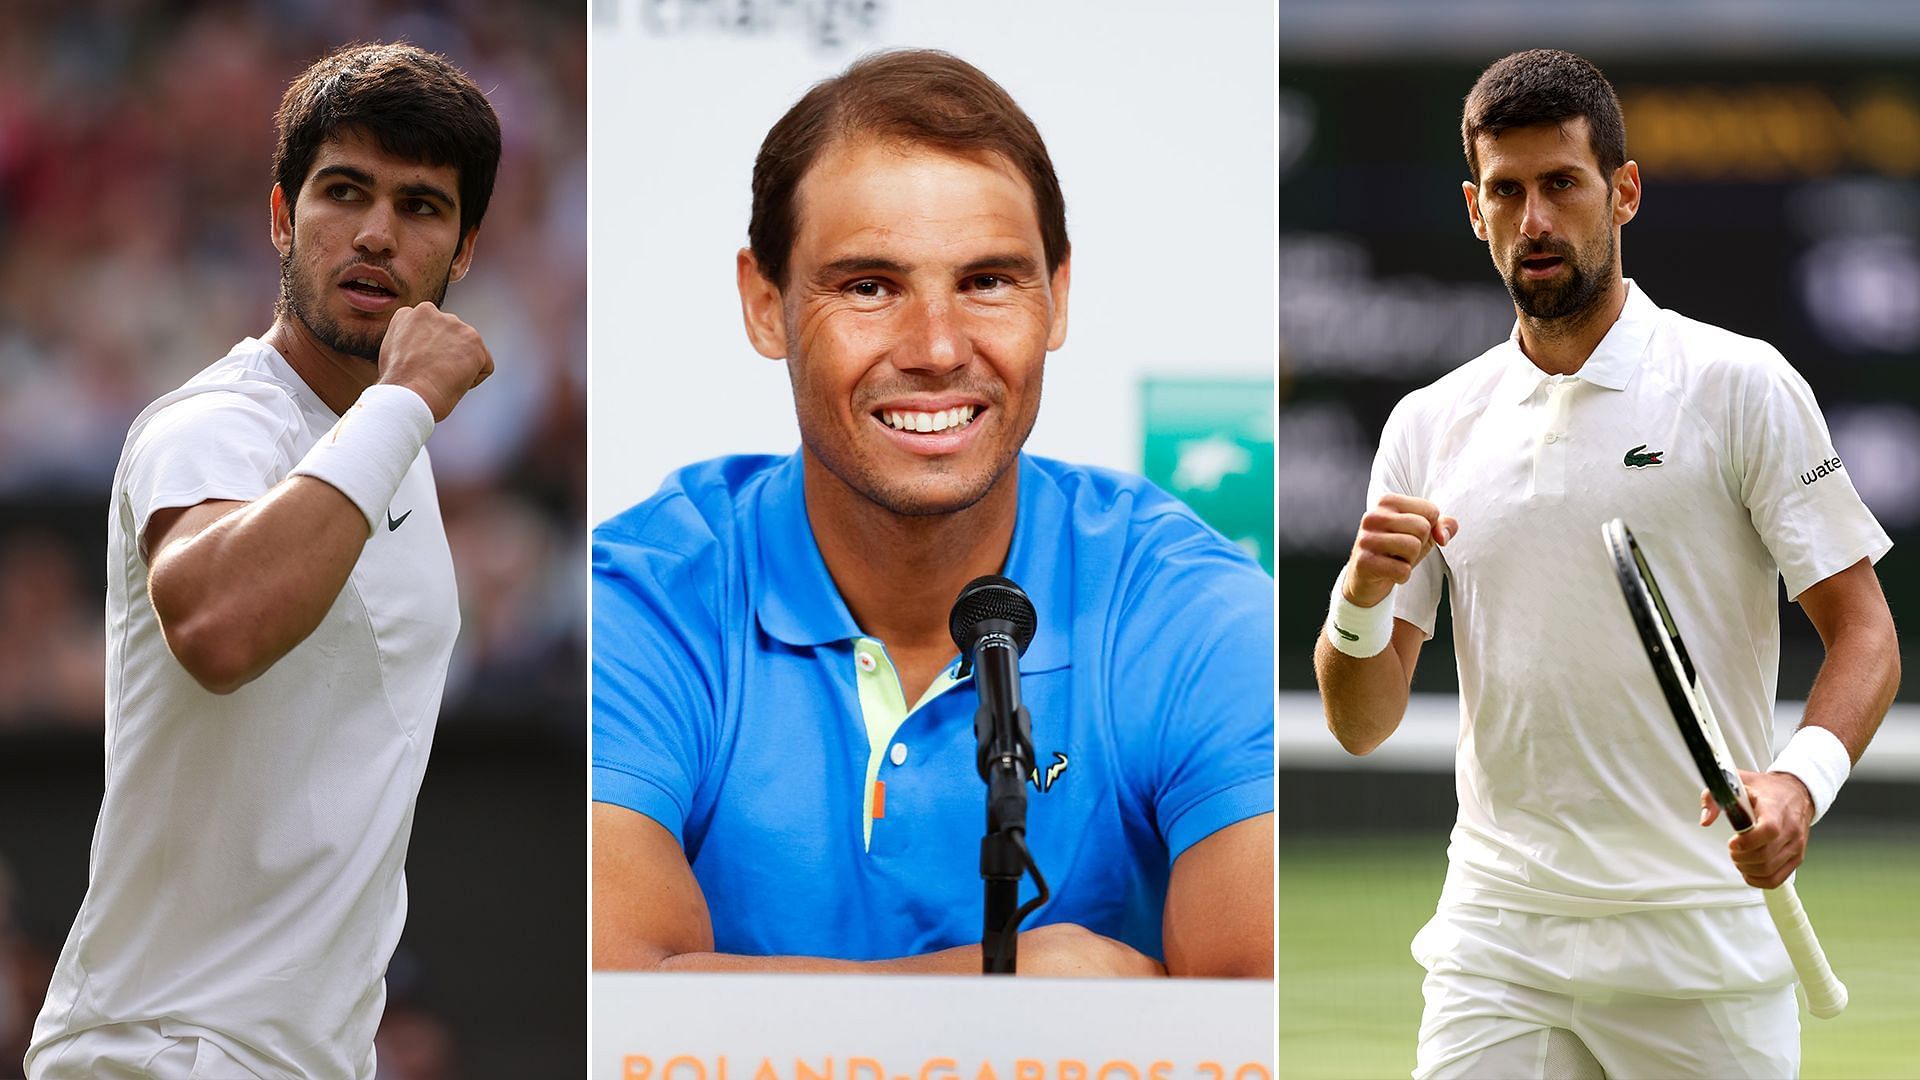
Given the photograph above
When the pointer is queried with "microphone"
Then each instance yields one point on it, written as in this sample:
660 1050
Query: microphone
992 624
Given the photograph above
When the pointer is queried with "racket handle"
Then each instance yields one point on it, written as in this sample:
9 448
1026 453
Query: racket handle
1826 994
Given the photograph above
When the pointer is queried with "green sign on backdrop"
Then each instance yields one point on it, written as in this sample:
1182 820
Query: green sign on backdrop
1210 443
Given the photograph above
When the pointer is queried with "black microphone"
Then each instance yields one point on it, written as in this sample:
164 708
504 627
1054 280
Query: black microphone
992 624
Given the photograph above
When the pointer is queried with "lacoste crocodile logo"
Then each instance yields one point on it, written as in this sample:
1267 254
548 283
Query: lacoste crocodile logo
1637 460
394 523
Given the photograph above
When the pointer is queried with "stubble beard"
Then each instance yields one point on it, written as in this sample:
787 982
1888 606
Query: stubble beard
1585 286
300 298
927 495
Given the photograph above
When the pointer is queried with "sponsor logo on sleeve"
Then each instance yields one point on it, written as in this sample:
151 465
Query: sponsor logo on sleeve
1831 465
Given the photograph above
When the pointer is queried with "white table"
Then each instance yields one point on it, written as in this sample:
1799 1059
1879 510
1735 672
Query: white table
907 1027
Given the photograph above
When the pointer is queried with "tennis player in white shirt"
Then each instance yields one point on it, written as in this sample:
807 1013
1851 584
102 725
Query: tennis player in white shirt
1588 927
280 613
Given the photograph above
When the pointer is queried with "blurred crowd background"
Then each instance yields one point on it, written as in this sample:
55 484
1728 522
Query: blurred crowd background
135 140
1779 149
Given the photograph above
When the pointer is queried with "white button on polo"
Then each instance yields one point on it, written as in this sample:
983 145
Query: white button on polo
899 753
865 661
1553 437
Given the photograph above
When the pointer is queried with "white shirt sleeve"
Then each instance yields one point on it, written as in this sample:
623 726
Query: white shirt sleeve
220 444
1803 502
1395 470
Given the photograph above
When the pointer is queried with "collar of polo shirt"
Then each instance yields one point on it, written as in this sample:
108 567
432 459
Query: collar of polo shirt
1613 362
800 605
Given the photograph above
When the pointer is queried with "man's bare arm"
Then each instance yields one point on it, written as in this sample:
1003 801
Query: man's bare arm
647 906
650 915
1850 697
236 585
1219 915
1365 698
1861 672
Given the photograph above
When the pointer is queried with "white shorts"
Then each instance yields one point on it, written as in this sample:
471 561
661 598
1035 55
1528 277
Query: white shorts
1666 994
134 1052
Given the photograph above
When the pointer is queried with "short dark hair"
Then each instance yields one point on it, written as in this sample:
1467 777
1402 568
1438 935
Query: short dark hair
414 103
1543 86
916 96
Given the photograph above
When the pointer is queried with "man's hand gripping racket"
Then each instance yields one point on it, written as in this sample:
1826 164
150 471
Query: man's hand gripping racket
1687 696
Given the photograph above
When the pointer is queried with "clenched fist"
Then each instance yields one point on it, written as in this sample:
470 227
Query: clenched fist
1773 849
1394 536
434 354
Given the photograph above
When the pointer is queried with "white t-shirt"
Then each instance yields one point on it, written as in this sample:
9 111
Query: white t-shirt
246 884
1576 795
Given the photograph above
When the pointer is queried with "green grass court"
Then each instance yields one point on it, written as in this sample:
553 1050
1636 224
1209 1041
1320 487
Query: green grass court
1350 993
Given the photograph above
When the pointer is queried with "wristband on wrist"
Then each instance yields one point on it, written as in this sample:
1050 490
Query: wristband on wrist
369 451
1819 759
1359 632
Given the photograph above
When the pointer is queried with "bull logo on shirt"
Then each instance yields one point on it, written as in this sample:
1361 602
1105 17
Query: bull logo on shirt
1045 783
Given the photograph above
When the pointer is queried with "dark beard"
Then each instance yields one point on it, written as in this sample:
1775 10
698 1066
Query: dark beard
302 303
1586 282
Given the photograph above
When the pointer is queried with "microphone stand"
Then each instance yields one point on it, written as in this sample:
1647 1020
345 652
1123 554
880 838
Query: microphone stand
1003 730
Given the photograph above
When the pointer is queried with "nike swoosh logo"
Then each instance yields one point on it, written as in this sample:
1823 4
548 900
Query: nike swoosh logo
394 523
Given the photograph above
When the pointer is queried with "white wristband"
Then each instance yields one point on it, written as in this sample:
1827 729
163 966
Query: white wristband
1358 631
1819 759
369 451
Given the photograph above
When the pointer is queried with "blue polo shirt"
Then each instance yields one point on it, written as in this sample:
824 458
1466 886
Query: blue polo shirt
736 702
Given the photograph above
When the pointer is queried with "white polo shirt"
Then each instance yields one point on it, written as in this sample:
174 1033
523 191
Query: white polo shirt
245 886
1576 794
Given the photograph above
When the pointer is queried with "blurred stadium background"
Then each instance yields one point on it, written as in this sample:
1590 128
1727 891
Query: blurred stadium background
1779 146
135 139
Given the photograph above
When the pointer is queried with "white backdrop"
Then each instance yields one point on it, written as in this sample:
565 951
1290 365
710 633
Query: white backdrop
1160 120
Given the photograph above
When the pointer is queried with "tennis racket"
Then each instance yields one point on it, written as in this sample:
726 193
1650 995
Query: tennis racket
1687 696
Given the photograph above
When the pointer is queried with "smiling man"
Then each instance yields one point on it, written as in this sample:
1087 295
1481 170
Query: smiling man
280 613
1587 927
784 752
